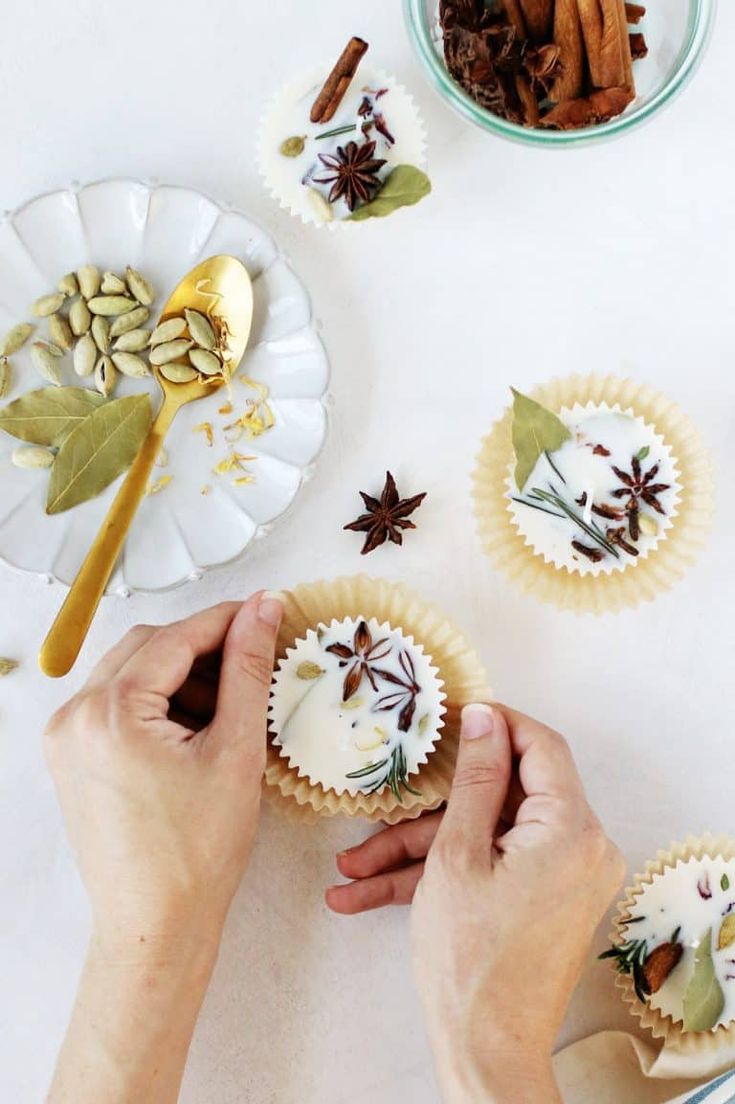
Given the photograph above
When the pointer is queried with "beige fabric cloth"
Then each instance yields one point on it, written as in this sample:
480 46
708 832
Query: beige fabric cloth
614 1067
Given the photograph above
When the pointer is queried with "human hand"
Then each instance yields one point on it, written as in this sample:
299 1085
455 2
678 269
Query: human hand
161 798
508 885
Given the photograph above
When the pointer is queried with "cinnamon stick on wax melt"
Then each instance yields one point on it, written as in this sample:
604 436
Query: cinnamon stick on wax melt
338 81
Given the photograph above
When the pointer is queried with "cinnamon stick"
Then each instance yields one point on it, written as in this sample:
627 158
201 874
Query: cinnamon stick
538 15
338 81
568 37
616 62
634 13
513 11
638 46
590 17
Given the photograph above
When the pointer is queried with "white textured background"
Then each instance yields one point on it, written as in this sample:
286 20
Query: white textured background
523 264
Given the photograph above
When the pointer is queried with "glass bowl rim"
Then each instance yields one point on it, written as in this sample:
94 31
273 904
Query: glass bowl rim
698 32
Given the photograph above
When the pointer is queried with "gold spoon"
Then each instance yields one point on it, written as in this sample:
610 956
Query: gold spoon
222 284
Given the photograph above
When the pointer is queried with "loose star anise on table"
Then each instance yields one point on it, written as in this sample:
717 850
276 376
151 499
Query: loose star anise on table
385 517
360 657
638 488
352 173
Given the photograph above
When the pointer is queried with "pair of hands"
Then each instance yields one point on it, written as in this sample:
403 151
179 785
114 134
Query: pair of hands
158 763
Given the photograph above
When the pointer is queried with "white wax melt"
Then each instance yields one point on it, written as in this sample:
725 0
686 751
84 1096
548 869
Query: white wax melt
693 898
582 473
292 180
353 702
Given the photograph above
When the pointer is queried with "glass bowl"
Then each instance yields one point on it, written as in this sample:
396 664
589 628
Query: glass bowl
676 33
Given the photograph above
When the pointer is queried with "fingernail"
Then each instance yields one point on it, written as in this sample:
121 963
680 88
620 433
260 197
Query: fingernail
270 609
477 721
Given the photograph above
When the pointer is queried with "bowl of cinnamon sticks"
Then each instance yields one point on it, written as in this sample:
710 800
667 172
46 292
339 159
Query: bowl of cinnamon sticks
558 72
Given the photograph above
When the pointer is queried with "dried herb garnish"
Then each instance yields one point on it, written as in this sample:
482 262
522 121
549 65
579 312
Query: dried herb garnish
386 517
649 971
393 770
360 656
352 172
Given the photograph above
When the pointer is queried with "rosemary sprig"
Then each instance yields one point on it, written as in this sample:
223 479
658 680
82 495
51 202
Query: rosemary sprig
393 771
553 498
630 959
337 130
524 502
553 466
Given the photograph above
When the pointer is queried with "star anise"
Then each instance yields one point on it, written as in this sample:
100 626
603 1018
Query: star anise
360 657
405 696
638 488
386 517
352 173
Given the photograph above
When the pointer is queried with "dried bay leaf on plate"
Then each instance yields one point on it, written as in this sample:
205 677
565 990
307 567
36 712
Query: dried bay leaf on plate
97 451
704 1000
535 430
48 415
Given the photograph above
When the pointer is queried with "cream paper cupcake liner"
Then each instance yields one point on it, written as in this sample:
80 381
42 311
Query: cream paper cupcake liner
703 1044
638 582
268 139
459 669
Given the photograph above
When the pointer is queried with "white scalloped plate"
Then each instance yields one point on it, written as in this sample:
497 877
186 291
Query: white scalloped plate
178 533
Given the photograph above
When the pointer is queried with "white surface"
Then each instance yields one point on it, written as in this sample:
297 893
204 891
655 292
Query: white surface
521 265
177 534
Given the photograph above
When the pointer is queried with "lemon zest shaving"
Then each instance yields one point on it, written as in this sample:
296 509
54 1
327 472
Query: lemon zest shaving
206 429
154 488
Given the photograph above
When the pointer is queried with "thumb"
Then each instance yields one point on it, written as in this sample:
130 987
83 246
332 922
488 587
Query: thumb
481 778
247 669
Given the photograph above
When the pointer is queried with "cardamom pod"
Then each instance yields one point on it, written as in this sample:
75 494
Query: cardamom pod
105 376
309 670
111 305
130 365
60 331
178 373
84 356
648 525
292 147
5 376
48 304
139 287
133 341
205 362
89 280
32 456
101 333
130 321
320 205
170 350
200 329
7 665
69 285
44 360
15 339
112 284
79 317
168 330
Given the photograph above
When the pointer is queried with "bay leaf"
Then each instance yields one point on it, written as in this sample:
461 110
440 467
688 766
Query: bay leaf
97 451
403 187
535 430
48 415
704 1000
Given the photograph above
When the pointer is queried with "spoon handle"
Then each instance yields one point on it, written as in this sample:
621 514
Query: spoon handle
67 634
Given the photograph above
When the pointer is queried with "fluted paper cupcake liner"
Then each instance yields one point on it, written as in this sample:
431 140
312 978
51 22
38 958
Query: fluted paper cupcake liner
704 1046
637 582
459 669
268 140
